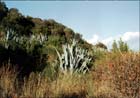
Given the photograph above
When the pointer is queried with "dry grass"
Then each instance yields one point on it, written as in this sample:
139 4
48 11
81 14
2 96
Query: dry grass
116 76
72 86
7 81
126 75
36 86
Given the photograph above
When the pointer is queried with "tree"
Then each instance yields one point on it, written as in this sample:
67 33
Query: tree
77 36
126 48
39 25
25 25
3 13
123 46
9 23
114 47
15 24
68 33
101 45
3 10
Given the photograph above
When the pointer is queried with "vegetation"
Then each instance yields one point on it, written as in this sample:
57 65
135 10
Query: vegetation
73 59
120 47
29 42
41 59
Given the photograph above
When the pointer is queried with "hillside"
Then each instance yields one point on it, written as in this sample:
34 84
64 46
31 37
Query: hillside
46 59
16 30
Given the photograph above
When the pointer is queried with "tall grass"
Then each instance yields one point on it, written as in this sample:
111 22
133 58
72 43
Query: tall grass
73 86
7 81
38 86
121 72
115 76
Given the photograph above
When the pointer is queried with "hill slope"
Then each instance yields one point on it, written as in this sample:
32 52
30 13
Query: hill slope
30 42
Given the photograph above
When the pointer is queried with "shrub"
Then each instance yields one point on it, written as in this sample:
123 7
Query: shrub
74 59
118 75
126 75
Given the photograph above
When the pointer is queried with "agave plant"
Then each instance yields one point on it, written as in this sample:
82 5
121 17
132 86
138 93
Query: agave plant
73 59
12 36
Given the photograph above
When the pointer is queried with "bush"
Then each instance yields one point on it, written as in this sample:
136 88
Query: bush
118 75
126 75
74 59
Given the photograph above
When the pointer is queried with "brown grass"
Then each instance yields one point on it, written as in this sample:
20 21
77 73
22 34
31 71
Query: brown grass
7 81
115 76
118 75
36 86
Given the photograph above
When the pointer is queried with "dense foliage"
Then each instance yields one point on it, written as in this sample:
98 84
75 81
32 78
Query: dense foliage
38 58
29 42
120 46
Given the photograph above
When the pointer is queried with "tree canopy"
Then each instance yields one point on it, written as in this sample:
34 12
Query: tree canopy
28 42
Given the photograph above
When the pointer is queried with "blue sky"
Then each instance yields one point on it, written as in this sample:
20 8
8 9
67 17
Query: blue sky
96 20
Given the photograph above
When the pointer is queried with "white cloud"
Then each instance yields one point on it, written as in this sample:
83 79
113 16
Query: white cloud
107 40
94 39
130 35
132 39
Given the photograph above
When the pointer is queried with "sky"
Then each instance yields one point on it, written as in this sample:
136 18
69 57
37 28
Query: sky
97 21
